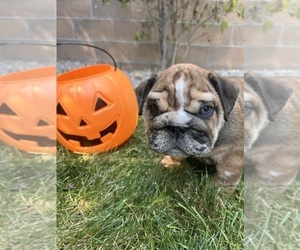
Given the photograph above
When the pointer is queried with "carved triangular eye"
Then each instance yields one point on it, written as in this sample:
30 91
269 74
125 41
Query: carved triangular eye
4 109
100 104
60 110
42 123
82 123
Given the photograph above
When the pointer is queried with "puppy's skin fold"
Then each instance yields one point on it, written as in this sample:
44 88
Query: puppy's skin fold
189 111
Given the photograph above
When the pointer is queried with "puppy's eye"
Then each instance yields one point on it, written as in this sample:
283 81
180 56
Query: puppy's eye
206 111
248 110
153 107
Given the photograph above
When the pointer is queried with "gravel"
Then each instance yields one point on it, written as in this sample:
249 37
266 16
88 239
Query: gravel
136 76
7 67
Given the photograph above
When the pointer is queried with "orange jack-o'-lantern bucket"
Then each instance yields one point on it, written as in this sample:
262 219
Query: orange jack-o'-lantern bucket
96 107
27 109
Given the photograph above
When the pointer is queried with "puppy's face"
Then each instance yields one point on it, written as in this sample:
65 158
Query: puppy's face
255 115
183 110
183 114
263 99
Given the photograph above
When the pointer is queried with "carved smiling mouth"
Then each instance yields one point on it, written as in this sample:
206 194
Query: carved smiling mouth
42 141
85 142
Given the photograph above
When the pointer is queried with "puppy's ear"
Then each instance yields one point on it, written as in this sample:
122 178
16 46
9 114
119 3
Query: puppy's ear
227 92
143 89
273 93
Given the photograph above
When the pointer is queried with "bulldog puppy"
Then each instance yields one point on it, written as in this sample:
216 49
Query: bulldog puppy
271 133
189 111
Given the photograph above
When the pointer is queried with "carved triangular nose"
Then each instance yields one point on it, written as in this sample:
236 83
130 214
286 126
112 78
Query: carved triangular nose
82 123
42 123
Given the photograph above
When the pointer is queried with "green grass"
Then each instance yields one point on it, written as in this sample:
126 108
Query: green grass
276 226
27 200
125 199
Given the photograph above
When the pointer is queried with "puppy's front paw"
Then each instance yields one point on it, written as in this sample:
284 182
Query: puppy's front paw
227 179
171 161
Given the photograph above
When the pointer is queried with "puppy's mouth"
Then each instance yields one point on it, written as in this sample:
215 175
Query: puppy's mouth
181 142
177 151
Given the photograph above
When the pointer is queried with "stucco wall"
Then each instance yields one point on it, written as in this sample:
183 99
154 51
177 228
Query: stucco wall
113 28
243 44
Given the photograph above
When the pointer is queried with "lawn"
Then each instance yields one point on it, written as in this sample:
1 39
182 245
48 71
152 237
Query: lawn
27 200
124 199
275 225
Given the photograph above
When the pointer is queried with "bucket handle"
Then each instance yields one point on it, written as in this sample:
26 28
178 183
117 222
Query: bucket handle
28 43
92 46
62 43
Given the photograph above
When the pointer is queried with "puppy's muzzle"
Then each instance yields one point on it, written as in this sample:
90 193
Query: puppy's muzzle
179 141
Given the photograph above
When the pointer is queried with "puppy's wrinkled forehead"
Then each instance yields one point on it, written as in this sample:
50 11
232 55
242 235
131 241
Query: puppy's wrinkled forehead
181 83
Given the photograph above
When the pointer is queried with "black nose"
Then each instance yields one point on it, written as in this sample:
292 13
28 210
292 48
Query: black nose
176 131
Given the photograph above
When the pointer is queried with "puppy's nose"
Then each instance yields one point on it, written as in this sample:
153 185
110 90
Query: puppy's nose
176 131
